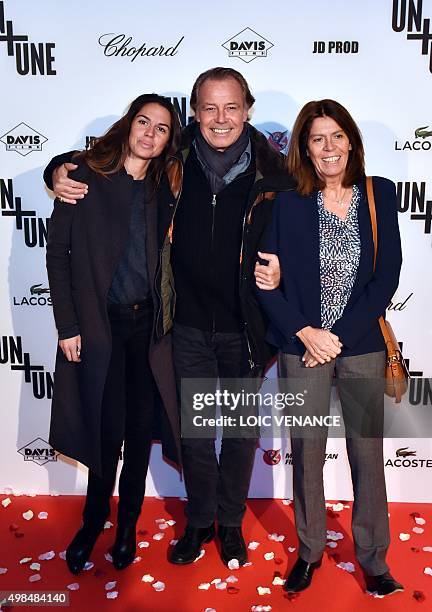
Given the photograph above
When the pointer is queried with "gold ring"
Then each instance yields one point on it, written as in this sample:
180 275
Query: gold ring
61 199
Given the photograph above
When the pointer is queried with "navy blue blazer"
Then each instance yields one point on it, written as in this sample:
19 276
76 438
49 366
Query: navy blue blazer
294 237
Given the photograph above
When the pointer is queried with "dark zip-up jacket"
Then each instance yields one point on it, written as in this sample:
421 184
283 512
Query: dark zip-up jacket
215 244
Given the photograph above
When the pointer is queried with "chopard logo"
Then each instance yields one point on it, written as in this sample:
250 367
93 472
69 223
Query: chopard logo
121 45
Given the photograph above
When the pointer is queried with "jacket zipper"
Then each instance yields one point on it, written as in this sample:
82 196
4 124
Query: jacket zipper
213 203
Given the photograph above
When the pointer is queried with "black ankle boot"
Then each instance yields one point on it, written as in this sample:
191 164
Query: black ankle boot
124 549
188 547
79 550
300 576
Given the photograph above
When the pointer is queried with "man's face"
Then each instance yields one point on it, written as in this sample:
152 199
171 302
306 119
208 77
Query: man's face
221 112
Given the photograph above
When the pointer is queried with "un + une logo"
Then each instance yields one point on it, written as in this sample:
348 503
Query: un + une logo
30 58
34 228
12 354
407 15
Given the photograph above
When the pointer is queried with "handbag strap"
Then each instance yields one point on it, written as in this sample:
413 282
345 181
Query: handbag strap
372 212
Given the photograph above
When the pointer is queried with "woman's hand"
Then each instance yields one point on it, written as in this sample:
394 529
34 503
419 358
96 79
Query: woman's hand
309 361
71 348
65 188
322 344
268 276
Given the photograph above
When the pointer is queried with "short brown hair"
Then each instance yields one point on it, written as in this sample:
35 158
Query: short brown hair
220 74
298 163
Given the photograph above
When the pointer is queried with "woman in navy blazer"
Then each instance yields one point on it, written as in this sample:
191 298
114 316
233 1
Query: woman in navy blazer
324 320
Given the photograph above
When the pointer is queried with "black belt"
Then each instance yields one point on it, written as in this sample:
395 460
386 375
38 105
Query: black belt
145 304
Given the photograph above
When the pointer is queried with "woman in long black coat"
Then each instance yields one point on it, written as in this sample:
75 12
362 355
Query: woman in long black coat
111 286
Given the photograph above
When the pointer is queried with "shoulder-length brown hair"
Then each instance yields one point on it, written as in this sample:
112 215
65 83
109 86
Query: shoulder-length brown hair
109 152
299 164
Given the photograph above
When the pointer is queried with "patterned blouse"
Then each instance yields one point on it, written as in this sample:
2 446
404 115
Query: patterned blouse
339 258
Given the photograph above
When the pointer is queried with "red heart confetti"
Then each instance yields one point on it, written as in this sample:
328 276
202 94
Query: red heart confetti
18 534
278 561
414 550
415 515
232 590
99 573
419 596
13 527
331 513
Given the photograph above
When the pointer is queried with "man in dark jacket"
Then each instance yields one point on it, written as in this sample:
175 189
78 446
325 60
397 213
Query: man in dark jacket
219 328
230 172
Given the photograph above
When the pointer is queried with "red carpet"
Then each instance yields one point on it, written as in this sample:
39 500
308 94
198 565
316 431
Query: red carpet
333 589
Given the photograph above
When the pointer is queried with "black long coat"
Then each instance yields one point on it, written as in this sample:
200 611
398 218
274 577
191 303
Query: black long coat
85 244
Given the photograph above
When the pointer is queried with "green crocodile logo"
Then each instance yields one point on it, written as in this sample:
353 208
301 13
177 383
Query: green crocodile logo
38 289
404 452
422 132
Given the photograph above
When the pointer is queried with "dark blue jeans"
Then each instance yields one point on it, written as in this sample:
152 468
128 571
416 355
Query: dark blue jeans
216 487
127 415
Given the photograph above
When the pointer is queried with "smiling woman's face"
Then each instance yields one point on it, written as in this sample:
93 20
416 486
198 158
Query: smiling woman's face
328 148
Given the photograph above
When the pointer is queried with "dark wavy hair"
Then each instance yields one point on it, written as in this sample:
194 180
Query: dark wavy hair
299 164
109 152
220 74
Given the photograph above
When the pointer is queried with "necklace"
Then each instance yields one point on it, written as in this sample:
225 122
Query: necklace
339 202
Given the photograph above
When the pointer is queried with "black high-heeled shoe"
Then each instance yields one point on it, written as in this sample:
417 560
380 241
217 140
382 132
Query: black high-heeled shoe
79 550
124 549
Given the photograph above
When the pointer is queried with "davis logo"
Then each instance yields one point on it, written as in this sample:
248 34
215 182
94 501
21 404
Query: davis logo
39 451
247 45
23 139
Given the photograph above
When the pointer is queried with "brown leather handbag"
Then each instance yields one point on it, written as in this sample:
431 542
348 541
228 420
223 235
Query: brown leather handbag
396 372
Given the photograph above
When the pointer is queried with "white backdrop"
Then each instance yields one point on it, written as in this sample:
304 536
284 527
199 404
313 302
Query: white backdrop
60 85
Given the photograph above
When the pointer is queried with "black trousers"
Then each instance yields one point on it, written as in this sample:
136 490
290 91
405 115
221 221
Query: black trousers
216 487
127 415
